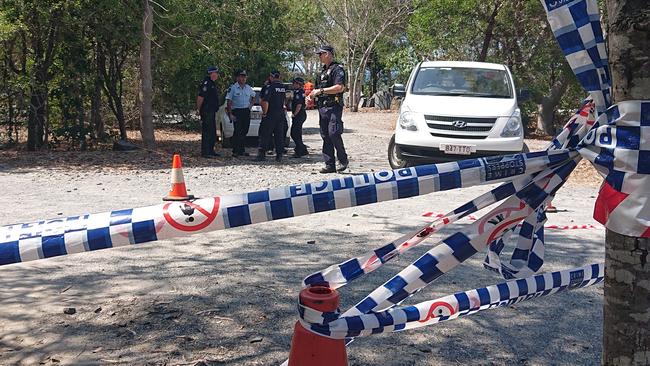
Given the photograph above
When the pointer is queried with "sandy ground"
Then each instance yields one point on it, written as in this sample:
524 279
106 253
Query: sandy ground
228 297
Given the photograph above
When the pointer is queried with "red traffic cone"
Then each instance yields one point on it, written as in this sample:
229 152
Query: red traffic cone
178 191
311 349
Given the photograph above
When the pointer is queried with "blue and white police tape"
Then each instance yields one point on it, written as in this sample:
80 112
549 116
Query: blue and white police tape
528 256
619 143
460 246
530 195
576 26
340 274
335 325
62 236
619 148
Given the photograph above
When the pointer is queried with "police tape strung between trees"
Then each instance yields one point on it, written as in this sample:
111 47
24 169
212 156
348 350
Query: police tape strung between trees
44 239
548 226
617 145
614 143
535 191
75 234
450 307
49 238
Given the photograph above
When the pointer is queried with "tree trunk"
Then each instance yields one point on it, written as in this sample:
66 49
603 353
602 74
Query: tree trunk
36 121
95 111
375 71
489 32
354 95
146 88
96 101
81 117
356 82
119 114
626 338
11 126
626 328
546 109
545 117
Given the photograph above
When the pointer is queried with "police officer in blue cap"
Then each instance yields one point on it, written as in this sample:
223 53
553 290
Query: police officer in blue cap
275 118
329 98
207 103
298 117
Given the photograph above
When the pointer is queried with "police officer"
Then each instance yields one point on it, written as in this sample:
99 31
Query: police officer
207 103
298 117
263 122
273 110
329 99
240 99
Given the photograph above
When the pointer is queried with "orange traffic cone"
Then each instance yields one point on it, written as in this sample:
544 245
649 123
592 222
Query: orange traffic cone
311 349
550 208
178 191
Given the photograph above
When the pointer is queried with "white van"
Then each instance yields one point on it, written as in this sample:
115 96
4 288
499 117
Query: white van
456 110
225 127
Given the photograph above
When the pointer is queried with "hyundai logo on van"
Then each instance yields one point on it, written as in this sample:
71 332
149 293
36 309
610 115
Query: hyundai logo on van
459 124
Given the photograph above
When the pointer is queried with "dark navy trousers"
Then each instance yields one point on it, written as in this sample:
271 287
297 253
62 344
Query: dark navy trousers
272 129
208 133
331 129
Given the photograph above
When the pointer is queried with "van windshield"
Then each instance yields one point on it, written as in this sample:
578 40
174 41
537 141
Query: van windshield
461 81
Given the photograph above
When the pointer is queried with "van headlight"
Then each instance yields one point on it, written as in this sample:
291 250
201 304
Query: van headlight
407 121
513 127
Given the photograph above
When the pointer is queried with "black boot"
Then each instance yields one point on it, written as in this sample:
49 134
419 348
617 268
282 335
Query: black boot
328 169
260 155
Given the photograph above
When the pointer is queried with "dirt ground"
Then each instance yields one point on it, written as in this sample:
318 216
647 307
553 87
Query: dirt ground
229 297
170 140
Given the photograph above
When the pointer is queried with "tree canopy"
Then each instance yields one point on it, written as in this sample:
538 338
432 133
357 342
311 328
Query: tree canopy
71 68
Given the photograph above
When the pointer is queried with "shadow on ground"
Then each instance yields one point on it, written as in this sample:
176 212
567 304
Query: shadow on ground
169 141
230 298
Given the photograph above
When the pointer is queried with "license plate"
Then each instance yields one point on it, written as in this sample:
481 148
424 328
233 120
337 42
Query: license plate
457 149
256 115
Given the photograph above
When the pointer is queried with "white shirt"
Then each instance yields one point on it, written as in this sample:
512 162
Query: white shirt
240 96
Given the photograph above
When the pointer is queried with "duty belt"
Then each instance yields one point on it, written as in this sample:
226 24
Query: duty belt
330 101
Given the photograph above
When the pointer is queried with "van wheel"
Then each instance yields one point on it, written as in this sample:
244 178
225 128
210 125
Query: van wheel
395 158
225 142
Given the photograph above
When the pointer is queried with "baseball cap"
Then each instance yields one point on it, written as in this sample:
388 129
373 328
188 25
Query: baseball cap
242 72
298 80
275 73
212 69
325 48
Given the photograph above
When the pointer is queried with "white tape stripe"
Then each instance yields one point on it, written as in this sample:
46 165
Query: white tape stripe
177 176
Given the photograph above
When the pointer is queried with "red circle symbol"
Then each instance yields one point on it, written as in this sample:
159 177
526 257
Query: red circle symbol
439 308
194 208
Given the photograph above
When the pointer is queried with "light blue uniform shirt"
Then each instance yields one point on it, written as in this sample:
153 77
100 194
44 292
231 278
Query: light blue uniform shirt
241 97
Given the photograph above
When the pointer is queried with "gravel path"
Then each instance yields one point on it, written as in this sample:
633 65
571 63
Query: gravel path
228 297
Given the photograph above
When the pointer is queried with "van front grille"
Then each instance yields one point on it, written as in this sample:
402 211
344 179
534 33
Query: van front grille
456 136
459 127
454 128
